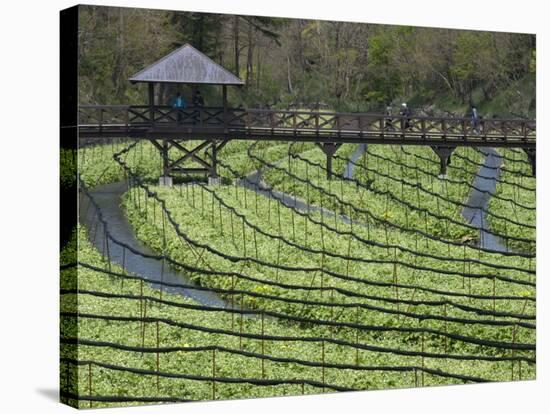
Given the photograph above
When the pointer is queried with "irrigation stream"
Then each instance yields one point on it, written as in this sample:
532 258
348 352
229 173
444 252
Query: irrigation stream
485 184
108 199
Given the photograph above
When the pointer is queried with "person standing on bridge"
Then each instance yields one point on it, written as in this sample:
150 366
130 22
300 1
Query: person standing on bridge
198 103
388 126
405 112
475 119
178 104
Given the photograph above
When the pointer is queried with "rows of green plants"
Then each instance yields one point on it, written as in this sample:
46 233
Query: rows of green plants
191 361
379 202
263 230
97 167
266 208
379 294
395 185
515 169
210 233
235 155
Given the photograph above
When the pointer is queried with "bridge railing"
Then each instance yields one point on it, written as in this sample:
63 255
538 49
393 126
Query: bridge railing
365 123
132 117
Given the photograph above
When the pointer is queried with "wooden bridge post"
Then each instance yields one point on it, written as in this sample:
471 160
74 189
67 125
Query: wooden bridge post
329 148
532 156
213 177
444 154
225 118
165 179
152 102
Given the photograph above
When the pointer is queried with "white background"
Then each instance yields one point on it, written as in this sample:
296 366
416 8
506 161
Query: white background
29 73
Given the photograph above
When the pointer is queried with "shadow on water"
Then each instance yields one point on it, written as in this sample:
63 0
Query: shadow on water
108 199
485 184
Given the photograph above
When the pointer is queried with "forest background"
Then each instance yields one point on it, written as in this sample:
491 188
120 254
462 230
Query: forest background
303 63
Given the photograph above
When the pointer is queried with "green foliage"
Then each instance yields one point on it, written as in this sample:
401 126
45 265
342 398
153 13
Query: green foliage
97 166
67 168
519 186
384 167
348 66
114 43
203 219
384 82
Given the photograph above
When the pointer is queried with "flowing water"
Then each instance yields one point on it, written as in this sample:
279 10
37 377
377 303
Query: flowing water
108 200
485 184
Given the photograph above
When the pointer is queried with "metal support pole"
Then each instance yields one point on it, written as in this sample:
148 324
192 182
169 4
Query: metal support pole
151 102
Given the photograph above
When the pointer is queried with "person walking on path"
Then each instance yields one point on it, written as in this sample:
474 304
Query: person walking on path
388 126
475 119
405 112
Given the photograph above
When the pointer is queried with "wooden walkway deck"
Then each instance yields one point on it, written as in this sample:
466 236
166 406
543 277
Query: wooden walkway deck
97 121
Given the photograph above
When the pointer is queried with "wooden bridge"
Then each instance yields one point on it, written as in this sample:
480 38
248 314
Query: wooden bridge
217 125
166 127
310 126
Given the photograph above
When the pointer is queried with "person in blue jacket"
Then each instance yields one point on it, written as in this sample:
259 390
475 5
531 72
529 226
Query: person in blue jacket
179 103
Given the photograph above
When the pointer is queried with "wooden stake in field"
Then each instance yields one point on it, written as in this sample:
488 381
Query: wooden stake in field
214 373
221 220
263 348
278 259
357 336
422 375
90 382
143 323
244 240
349 254
323 366
158 358
332 312
123 267
445 323
241 325
161 276
395 277
232 229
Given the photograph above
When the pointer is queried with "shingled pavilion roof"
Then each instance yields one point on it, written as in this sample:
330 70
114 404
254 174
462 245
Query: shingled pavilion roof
186 65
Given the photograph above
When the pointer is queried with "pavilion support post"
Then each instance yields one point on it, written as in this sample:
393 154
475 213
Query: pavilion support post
224 96
151 102
444 153
532 156
329 149
213 178
165 180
